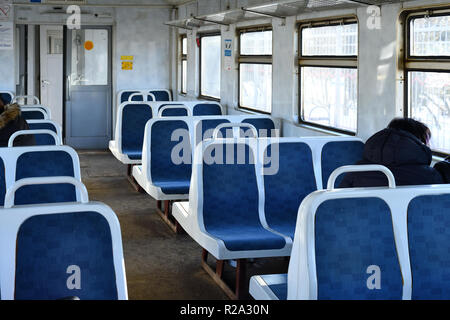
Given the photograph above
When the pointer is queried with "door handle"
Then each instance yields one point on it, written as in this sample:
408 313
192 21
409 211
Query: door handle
46 82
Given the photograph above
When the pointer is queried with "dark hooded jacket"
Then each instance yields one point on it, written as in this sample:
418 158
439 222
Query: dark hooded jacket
444 169
400 151
10 122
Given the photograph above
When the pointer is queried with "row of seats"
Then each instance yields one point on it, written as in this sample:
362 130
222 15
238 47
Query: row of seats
263 193
133 116
367 243
54 242
166 178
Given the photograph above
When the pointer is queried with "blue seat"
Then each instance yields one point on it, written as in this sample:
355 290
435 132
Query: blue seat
230 205
2 182
161 95
134 118
173 111
263 125
43 139
337 154
286 188
170 177
350 236
33 114
45 164
429 246
6 97
58 251
207 109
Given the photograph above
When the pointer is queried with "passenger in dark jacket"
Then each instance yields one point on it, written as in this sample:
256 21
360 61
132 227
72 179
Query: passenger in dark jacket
10 122
403 148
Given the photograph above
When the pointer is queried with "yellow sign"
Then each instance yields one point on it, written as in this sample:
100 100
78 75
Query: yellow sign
127 58
89 45
127 65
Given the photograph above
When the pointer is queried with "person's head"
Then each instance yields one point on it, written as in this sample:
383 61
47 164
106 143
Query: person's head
417 128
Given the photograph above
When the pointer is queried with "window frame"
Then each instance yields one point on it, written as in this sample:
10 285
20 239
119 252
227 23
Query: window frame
183 57
253 59
200 36
411 63
324 61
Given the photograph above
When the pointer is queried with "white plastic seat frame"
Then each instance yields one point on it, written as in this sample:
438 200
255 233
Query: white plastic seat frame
33 132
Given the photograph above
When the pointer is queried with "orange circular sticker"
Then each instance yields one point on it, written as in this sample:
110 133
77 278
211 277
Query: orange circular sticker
89 45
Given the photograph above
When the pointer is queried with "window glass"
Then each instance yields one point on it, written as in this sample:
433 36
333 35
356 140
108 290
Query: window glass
339 40
255 85
430 36
210 66
256 43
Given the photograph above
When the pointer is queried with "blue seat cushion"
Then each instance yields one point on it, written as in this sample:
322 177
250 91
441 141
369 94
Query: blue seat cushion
429 247
42 126
6 97
337 154
207 109
277 283
126 95
134 119
351 237
286 188
161 95
263 125
172 177
45 164
32 115
230 202
173 187
48 245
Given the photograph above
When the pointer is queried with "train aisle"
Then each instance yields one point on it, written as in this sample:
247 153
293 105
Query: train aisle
159 264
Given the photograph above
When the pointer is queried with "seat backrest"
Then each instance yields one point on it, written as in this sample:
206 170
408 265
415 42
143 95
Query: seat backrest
336 154
26 100
196 108
46 125
288 178
59 251
43 137
161 94
34 113
230 186
429 246
131 125
167 153
40 161
173 111
265 126
6 96
207 109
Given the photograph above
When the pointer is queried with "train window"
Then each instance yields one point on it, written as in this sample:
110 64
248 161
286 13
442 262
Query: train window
255 70
329 75
427 75
183 65
210 66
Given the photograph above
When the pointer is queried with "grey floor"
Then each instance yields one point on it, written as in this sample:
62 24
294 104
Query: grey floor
160 264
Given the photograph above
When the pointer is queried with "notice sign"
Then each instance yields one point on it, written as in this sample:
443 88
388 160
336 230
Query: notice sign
6 35
5 9
127 62
228 53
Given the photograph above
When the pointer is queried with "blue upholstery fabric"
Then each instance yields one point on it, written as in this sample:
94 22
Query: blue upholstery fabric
170 177
44 164
126 95
429 246
2 183
210 125
230 203
277 283
175 112
207 109
350 236
42 126
134 119
32 115
285 190
47 245
43 139
263 125
161 95
6 97
337 154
